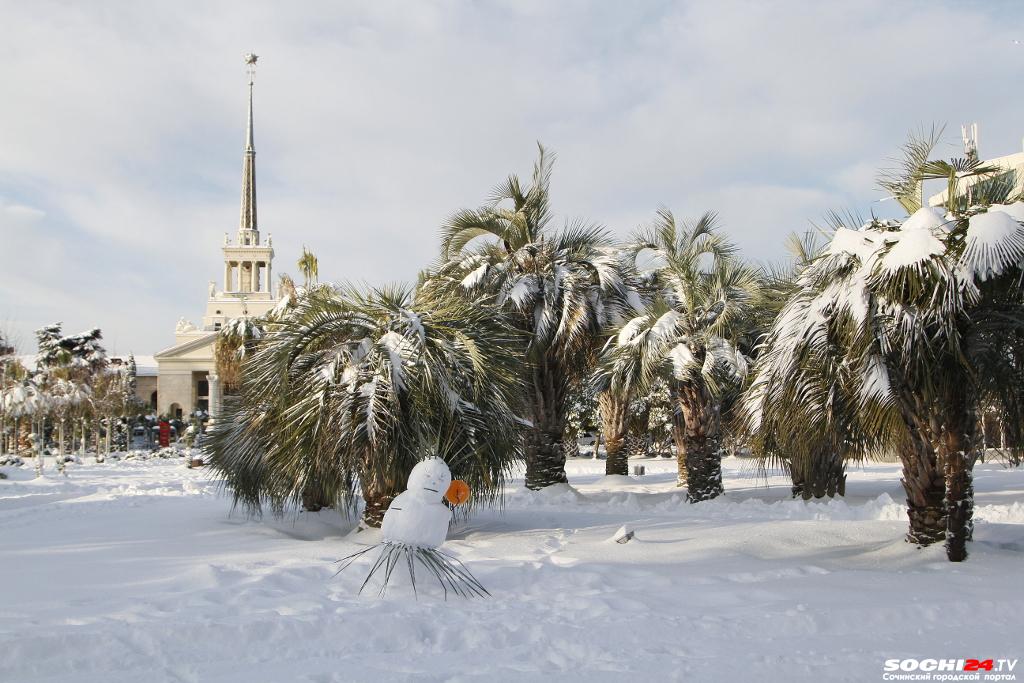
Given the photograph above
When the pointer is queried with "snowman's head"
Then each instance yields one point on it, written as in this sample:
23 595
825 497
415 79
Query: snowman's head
429 479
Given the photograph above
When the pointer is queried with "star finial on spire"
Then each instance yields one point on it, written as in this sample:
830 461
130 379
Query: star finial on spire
250 60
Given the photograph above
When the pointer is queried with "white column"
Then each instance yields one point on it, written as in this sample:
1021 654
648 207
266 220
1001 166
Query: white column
214 381
270 286
227 276
252 276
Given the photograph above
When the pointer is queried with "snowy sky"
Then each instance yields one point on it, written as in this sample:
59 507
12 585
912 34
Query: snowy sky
123 124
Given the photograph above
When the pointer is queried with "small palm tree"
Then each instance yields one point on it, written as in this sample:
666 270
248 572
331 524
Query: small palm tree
309 266
785 427
66 396
234 341
559 288
687 336
351 389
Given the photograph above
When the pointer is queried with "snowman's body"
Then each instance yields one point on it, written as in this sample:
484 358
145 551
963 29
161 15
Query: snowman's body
417 516
414 527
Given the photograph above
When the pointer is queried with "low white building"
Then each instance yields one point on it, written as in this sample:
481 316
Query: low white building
187 378
1010 162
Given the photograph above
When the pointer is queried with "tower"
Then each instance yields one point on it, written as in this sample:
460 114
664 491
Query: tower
187 372
969 133
248 286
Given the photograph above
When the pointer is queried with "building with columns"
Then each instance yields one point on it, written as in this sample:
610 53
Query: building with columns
186 371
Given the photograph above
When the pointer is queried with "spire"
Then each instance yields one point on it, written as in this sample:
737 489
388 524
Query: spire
248 216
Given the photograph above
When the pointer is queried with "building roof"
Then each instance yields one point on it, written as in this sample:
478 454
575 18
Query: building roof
206 339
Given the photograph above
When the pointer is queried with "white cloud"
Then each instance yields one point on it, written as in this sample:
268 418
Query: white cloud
374 121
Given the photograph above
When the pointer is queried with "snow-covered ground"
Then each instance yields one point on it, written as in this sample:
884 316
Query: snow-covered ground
139 571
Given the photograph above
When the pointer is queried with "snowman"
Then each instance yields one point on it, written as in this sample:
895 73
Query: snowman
414 528
417 516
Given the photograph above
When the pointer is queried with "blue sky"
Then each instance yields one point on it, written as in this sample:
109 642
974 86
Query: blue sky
123 127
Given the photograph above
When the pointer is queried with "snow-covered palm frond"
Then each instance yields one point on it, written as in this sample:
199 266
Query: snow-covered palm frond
913 249
476 276
995 242
704 293
684 362
523 291
1014 210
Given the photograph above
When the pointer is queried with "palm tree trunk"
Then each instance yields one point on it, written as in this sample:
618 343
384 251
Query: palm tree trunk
959 503
61 464
377 500
571 445
701 443
378 492
820 476
545 455
376 505
922 477
39 447
925 488
314 499
679 439
637 445
957 452
97 432
638 433
545 459
613 424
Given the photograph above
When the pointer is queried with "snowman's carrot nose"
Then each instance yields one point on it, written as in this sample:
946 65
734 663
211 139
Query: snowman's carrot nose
458 492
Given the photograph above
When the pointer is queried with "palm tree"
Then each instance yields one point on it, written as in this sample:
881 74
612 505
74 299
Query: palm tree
309 266
11 371
349 390
236 339
822 384
899 335
688 336
560 289
66 396
954 339
805 446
